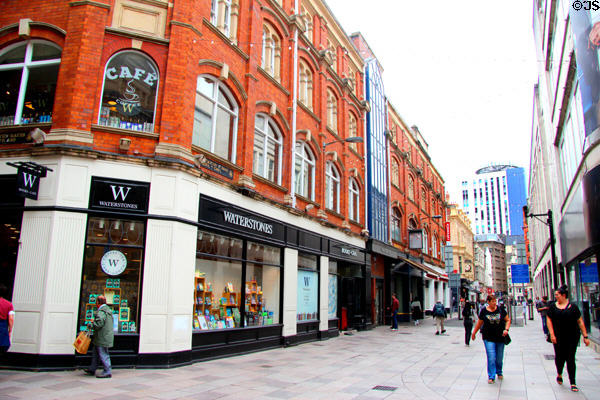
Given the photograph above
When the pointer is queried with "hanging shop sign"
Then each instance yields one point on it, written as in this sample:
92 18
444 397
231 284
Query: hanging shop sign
119 195
28 178
415 238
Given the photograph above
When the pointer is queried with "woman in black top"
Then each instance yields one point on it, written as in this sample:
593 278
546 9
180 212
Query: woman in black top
467 314
564 326
494 324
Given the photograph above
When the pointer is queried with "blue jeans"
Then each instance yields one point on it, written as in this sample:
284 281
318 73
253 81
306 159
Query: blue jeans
495 355
102 353
395 320
544 326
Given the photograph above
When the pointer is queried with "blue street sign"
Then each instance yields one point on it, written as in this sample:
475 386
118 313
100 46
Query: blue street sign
589 273
519 273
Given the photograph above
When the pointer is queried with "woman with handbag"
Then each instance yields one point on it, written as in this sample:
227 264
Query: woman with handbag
565 324
494 324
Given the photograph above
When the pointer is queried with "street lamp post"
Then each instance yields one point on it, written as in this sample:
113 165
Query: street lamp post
550 224
352 139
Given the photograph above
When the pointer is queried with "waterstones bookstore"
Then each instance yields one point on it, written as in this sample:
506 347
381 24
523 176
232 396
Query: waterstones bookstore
188 277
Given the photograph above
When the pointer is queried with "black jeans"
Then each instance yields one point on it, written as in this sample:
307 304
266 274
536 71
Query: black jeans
468 323
565 352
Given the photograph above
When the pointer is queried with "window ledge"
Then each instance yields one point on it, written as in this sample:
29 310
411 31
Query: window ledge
128 132
356 223
216 158
307 200
270 183
273 80
334 213
225 39
129 34
309 111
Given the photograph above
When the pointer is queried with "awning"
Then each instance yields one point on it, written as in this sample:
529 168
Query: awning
429 272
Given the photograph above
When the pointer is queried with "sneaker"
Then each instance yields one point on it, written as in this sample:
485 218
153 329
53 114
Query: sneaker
437 333
89 372
394 329
443 331
104 375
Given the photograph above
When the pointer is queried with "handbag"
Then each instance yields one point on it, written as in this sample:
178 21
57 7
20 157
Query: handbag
82 342
507 339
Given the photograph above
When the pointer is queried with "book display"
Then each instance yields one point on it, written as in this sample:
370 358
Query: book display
211 313
112 290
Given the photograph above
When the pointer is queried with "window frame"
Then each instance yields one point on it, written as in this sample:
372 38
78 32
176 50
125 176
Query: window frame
278 142
332 187
305 156
25 66
217 85
396 225
353 200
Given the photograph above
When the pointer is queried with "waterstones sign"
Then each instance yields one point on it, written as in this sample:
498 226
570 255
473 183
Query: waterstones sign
119 195
225 216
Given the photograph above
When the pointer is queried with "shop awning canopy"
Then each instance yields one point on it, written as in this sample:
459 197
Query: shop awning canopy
429 272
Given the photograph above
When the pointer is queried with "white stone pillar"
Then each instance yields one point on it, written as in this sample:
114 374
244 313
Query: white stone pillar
324 294
430 295
290 290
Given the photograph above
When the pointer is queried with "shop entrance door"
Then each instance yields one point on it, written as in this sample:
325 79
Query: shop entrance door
379 302
10 230
352 300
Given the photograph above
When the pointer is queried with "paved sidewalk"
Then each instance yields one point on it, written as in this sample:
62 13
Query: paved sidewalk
412 363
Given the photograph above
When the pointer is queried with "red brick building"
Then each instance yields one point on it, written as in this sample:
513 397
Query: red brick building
169 129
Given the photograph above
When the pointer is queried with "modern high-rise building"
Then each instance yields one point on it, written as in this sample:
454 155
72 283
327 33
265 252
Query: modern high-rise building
493 199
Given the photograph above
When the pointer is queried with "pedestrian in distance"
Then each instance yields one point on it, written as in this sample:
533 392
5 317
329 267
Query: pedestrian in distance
524 310
482 304
102 338
565 325
467 314
7 319
395 307
439 315
417 311
543 310
494 324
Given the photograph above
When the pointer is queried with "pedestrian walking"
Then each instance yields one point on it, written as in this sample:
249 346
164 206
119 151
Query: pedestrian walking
524 311
565 324
395 307
494 324
482 304
417 311
439 314
7 318
467 314
102 338
543 310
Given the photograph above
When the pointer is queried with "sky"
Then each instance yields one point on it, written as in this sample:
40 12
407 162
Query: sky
462 71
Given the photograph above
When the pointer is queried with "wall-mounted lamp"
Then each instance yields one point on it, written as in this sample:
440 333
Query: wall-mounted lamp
309 206
37 135
352 139
124 144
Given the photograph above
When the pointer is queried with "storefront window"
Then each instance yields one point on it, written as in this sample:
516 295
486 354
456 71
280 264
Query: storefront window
308 288
129 94
112 267
218 289
590 296
332 290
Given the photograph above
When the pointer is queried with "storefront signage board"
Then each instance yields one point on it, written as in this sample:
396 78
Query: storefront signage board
28 183
519 273
588 273
119 195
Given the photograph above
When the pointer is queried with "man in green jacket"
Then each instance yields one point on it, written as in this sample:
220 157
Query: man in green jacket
103 338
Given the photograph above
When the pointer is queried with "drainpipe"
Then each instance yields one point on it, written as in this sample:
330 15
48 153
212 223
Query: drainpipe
294 112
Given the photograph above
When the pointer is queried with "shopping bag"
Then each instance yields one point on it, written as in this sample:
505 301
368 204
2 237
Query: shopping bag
82 343
507 340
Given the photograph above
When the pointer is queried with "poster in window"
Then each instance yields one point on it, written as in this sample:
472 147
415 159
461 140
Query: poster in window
308 283
333 296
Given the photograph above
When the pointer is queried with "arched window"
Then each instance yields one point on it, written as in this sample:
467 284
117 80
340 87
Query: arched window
395 173
223 15
331 111
215 118
267 149
308 24
434 246
28 73
129 93
423 200
411 188
332 187
353 200
425 241
304 171
352 130
271 52
305 94
396 225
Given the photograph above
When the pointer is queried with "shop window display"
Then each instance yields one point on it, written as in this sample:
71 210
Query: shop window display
112 267
332 290
308 288
221 300
129 93
590 296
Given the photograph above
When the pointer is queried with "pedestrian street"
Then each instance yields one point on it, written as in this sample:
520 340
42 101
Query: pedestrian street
411 363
